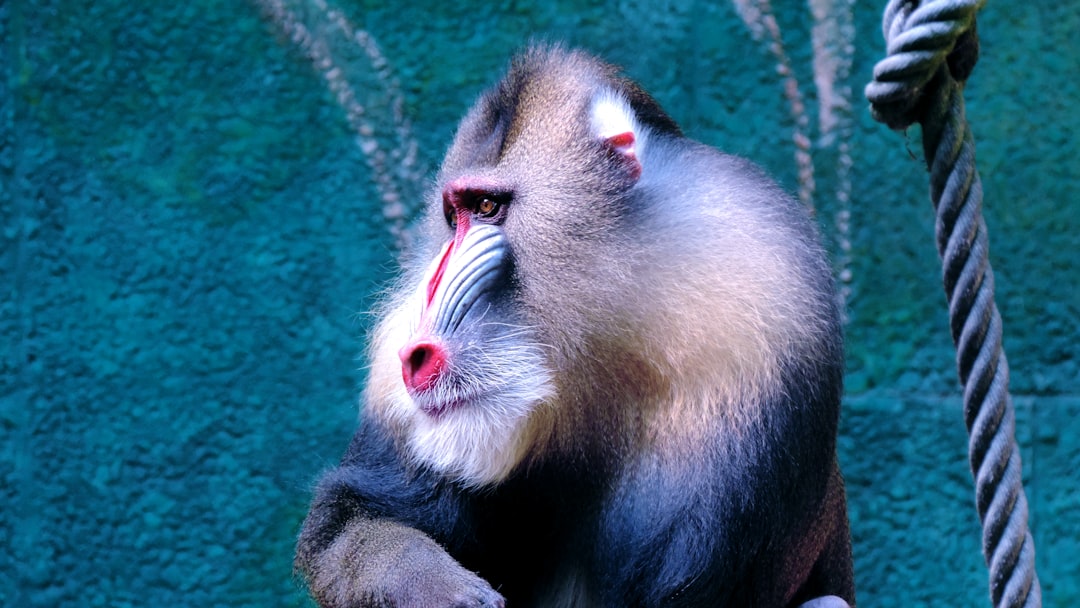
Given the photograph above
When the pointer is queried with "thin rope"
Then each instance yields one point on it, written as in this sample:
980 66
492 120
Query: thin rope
932 47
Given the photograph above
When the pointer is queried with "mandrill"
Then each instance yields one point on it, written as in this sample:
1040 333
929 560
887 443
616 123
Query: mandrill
611 379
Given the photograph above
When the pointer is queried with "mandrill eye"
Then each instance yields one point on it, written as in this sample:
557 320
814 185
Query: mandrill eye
451 217
487 207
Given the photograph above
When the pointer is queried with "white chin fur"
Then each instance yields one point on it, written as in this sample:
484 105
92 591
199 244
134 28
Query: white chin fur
478 442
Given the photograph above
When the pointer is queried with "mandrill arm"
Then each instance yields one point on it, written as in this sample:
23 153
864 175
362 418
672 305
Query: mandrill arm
353 554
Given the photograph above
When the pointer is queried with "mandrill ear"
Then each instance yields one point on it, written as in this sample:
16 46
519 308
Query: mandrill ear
614 124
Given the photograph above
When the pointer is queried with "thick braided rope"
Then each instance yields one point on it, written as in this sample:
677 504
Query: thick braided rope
921 81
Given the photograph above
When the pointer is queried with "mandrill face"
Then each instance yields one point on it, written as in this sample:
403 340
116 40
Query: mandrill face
466 359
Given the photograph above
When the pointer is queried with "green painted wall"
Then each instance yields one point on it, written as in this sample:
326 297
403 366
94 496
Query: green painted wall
192 232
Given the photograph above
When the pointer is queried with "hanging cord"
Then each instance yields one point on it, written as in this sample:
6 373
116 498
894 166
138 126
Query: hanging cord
932 47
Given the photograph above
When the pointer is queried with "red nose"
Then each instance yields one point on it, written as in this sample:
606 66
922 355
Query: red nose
421 363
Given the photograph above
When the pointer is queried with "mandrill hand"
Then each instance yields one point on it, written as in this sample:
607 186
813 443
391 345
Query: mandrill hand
826 601
375 565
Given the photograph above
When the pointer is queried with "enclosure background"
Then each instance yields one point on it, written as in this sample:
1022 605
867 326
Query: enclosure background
193 231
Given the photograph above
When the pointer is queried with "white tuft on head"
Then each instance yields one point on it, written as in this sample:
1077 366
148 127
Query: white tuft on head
611 117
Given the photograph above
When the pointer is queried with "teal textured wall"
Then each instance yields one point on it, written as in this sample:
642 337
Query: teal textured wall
197 209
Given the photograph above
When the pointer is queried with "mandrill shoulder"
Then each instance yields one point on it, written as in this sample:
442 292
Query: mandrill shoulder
720 193
738 284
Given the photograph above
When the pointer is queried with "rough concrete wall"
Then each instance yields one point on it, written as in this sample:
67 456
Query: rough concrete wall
192 231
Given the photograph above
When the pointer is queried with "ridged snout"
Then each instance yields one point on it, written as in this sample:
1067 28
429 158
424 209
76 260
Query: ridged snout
461 278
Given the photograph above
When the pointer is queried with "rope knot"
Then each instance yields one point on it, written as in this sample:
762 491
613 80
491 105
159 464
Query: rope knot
920 37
